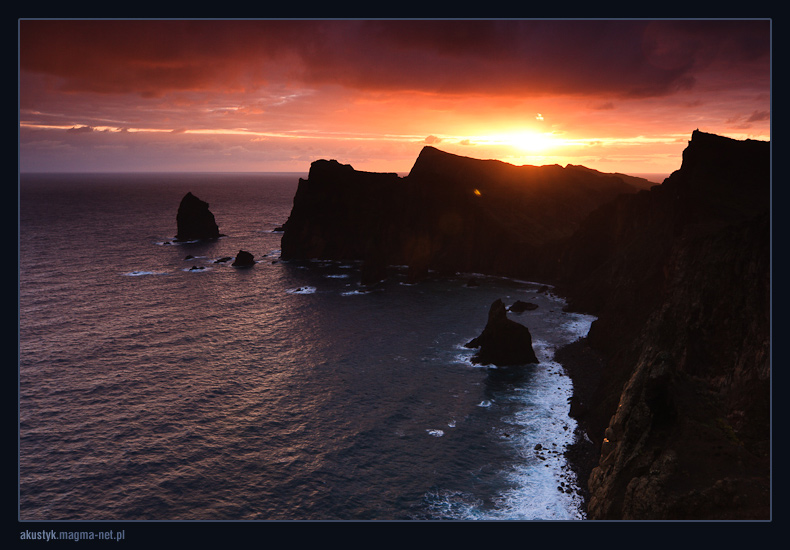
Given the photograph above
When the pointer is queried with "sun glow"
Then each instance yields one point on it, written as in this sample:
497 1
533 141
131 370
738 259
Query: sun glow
524 141
530 141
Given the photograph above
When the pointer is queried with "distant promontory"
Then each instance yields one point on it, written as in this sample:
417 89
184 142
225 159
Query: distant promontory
449 214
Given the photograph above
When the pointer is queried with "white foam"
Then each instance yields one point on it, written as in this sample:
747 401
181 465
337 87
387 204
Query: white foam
466 359
453 504
337 276
302 290
486 403
435 433
354 292
580 326
543 350
543 486
140 273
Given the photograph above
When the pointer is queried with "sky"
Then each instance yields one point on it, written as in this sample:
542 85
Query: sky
275 95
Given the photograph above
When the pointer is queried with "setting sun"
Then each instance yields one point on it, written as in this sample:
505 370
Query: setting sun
531 142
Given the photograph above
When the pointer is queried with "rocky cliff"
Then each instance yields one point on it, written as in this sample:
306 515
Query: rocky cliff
679 277
450 214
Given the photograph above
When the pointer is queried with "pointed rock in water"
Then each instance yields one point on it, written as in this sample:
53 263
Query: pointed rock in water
503 342
194 220
243 259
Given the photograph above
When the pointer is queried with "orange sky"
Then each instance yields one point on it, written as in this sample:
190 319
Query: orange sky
198 95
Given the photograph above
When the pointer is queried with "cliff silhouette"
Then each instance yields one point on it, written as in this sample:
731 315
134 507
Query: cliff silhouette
673 386
449 214
679 277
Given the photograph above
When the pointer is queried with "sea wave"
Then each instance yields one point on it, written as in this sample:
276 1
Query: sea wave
302 290
140 273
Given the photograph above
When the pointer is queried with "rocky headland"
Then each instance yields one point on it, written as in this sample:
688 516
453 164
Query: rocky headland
449 214
672 384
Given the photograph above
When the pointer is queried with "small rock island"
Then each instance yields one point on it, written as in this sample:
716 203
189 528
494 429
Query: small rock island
503 342
244 259
195 221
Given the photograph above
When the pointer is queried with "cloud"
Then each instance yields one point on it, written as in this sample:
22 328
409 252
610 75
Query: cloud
375 90
604 106
620 58
758 116
80 130
745 122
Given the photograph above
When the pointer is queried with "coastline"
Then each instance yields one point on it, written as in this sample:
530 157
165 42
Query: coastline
583 366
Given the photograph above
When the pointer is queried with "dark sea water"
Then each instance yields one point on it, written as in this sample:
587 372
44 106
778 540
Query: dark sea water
149 390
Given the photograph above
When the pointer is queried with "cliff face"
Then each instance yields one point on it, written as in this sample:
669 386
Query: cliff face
449 214
679 277
339 213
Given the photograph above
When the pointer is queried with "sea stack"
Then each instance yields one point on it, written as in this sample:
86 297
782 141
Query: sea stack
195 221
243 259
503 342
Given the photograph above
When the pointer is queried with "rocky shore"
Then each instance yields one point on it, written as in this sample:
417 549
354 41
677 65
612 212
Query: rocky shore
583 365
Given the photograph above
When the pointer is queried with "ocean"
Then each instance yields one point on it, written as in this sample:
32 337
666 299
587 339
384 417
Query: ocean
156 383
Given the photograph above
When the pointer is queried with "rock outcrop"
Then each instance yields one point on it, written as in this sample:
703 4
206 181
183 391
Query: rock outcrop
341 214
243 259
195 221
520 306
503 342
679 278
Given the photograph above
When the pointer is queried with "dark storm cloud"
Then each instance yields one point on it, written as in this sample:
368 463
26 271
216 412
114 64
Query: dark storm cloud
621 58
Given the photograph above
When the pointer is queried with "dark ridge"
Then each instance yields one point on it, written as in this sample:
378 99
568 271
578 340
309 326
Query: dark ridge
450 214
